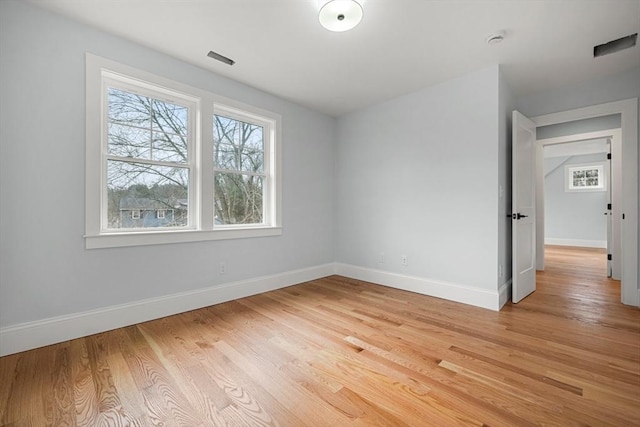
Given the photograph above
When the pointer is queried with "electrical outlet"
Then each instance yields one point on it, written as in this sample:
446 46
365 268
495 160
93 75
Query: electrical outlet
222 269
381 258
404 260
501 270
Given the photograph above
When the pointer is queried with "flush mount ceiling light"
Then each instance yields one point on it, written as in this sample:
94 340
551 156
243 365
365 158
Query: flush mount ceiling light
340 15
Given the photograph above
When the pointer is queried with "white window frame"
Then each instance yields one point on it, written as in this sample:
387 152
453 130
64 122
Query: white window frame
143 88
136 214
161 213
201 187
570 169
269 130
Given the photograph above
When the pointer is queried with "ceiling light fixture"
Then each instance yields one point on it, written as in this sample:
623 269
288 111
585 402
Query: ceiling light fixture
340 15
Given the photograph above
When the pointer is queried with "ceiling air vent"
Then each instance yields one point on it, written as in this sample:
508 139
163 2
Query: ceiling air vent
221 58
615 45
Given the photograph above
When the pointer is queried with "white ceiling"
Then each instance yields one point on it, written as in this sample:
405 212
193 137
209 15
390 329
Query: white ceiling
399 47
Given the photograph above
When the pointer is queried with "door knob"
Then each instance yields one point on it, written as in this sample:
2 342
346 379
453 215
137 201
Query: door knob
519 216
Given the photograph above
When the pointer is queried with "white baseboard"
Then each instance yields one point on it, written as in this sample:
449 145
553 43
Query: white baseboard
505 293
26 336
576 242
449 291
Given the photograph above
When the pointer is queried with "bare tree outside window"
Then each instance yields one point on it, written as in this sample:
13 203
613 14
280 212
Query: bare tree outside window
147 164
239 171
148 170
585 178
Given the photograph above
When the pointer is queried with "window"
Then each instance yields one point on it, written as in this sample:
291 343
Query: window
240 171
169 163
585 178
148 159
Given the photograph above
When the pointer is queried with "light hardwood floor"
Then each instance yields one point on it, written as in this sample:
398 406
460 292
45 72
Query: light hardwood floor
340 352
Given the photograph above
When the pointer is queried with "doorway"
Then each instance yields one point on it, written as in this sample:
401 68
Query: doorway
628 205
579 189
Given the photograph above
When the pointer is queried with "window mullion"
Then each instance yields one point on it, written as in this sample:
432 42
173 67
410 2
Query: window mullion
267 208
151 118
104 136
205 169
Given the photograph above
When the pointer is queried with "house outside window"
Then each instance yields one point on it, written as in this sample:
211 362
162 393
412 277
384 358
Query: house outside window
170 163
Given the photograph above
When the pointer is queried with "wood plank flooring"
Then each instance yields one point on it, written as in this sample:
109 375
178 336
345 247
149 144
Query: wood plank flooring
341 352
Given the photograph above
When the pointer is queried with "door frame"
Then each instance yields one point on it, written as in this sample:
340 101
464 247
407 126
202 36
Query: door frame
613 189
628 109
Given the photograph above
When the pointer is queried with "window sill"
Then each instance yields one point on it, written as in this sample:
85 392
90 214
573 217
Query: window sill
115 240
583 190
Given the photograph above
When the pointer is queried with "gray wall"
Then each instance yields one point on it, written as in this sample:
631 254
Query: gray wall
45 270
613 121
573 215
582 94
505 109
418 175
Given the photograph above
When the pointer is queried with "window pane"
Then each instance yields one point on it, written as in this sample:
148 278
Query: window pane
169 148
128 109
238 199
136 192
169 118
238 145
127 141
146 128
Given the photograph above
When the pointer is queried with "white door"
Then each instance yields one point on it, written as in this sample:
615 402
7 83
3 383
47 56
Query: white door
523 207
